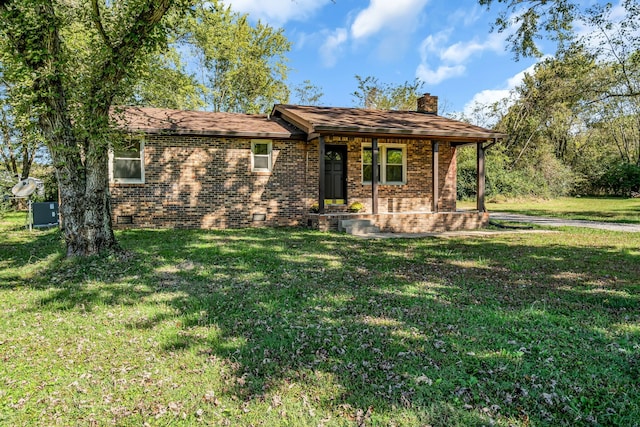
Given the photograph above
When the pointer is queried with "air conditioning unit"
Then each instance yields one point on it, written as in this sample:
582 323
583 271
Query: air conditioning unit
44 214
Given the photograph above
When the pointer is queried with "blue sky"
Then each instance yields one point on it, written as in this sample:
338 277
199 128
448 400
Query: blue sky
447 44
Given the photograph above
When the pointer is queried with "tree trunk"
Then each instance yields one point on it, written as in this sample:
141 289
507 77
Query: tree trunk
84 201
86 214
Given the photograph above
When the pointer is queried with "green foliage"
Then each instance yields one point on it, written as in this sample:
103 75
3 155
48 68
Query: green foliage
576 119
20 138
47 174
621 179
544 177
521 182
372 94
244 66
566 124
531 18
356 207
163 82
306 93
232 64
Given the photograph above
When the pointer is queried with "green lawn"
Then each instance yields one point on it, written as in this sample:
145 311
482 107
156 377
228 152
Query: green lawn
295 327
590 208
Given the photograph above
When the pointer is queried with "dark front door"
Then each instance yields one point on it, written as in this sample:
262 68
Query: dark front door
335 167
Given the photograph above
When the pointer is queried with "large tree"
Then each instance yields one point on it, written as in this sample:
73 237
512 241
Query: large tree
165 82
243 66
580 108
70 58
215 59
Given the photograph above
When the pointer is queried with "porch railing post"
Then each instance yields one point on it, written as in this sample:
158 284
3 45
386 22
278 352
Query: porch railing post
435 168
480 178
321 172
374 176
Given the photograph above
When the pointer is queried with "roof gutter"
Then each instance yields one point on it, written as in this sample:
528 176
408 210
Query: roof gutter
266 135
407 132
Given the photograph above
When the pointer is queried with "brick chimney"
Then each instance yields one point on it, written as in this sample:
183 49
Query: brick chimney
428 104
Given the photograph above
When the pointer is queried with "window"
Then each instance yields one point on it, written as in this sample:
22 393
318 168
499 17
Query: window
260 156
392 164
127 162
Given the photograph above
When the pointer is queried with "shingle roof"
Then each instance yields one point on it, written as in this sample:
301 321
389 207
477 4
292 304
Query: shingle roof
179 122
317 120
297 121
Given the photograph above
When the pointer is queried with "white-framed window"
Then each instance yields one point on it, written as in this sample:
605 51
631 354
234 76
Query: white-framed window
392 163
261 160
126 163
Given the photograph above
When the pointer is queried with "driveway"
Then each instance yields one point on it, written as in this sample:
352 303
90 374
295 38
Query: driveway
559 222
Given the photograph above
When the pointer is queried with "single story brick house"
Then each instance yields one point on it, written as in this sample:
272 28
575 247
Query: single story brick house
299 165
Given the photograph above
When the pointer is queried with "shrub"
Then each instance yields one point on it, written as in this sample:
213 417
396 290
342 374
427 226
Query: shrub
621 179
356 207
546 176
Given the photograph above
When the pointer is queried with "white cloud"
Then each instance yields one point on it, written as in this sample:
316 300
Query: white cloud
442 73
451 59
490 96
433 42
277 12
467 16
383 14
459 52
333 46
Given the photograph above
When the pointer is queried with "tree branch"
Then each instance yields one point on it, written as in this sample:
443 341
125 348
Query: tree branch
97 20
111 71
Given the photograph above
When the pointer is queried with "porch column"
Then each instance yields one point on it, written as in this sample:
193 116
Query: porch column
480 178
435 162
321 172
374 176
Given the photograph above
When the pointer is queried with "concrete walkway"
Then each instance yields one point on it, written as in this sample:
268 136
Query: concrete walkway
449 234
559 222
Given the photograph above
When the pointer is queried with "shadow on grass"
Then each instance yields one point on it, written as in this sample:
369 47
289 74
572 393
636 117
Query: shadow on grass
504 327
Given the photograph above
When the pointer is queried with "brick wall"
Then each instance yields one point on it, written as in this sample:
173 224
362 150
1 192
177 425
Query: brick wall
414 222
206 182
416 194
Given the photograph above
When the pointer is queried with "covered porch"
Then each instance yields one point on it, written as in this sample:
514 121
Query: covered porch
400 166
404 222
387 215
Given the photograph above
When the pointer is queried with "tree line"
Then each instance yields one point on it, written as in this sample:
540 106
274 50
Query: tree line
574 123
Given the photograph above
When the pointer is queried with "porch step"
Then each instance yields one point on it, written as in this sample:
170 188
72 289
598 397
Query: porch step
358 227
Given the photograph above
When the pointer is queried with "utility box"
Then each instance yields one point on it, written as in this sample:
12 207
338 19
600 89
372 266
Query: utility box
45 214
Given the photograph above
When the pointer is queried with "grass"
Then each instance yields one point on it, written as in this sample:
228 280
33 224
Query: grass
295 327
609 209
